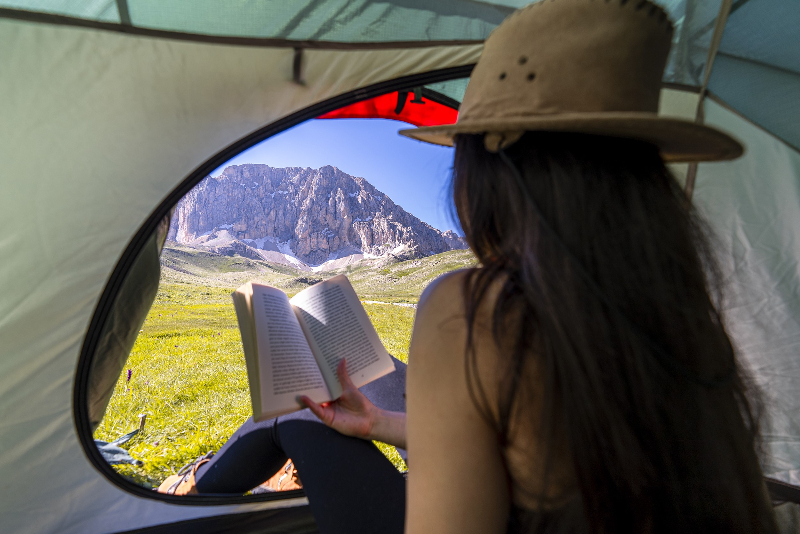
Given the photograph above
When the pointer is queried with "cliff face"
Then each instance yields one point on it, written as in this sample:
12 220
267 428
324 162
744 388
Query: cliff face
313 214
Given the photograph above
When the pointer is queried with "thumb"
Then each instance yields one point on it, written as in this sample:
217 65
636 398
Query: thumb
315 408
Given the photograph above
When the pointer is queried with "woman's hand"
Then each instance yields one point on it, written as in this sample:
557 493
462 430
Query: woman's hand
353 414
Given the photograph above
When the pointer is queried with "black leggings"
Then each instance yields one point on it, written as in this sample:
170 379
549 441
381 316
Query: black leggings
351 486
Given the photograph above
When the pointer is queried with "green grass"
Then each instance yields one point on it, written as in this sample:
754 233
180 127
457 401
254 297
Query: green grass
393 324
404 281
188 370
382 279
188 374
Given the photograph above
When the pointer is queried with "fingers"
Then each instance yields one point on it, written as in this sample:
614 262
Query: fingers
315 408
344 378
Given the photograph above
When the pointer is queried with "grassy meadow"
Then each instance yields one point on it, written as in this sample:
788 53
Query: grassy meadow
187 369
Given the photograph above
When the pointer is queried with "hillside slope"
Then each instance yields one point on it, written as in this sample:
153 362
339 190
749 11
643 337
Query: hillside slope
387 279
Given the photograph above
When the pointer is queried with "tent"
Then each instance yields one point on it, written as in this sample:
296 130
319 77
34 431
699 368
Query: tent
111 110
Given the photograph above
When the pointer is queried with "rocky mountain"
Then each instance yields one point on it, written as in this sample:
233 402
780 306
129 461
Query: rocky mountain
302 216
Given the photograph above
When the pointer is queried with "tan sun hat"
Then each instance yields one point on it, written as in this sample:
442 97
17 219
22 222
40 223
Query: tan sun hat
583 66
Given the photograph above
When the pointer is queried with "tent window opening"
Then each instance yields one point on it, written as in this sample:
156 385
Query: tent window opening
169 385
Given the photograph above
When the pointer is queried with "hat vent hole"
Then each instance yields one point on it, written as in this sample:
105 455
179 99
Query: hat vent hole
531 76
522 60
502 75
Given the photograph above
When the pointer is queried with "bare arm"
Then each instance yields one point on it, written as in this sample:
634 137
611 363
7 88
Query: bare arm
457 479
390 427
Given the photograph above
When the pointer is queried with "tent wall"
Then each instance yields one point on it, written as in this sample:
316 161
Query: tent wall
317 22
98 127
753 205
101 10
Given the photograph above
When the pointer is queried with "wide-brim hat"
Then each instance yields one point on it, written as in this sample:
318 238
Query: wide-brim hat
581 66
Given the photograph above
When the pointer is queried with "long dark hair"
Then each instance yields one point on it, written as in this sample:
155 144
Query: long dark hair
607 272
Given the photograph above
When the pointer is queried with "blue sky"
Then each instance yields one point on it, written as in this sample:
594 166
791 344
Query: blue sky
413 174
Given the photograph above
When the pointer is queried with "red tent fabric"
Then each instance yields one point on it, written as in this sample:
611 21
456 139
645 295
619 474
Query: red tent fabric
411 107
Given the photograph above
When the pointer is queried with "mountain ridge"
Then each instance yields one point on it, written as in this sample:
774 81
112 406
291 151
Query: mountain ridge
302 217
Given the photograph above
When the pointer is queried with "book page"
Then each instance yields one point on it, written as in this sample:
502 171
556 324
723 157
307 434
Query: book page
286 364
242 303
337 326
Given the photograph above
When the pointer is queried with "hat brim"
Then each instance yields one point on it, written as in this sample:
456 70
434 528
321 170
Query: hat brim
677 139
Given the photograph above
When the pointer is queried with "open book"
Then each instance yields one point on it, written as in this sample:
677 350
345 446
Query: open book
292 347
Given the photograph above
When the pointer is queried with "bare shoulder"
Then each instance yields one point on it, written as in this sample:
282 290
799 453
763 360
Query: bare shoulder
440 324
441 330
441 345
445 296
446 291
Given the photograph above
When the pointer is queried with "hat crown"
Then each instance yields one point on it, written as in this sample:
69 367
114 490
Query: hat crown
571 56
584 66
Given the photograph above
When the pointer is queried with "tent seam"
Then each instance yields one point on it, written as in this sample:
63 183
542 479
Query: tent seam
759 63
265 42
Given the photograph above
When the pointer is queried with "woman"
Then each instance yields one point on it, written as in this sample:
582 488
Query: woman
580 379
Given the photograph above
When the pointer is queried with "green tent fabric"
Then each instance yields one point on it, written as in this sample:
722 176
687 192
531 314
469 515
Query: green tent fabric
118 335
757 69
361 21
112 110
101 10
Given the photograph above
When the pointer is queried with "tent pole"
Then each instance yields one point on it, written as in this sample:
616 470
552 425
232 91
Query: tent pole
734 7
124 13
716 39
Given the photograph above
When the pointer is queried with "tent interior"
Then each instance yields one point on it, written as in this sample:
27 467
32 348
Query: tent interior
114 109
